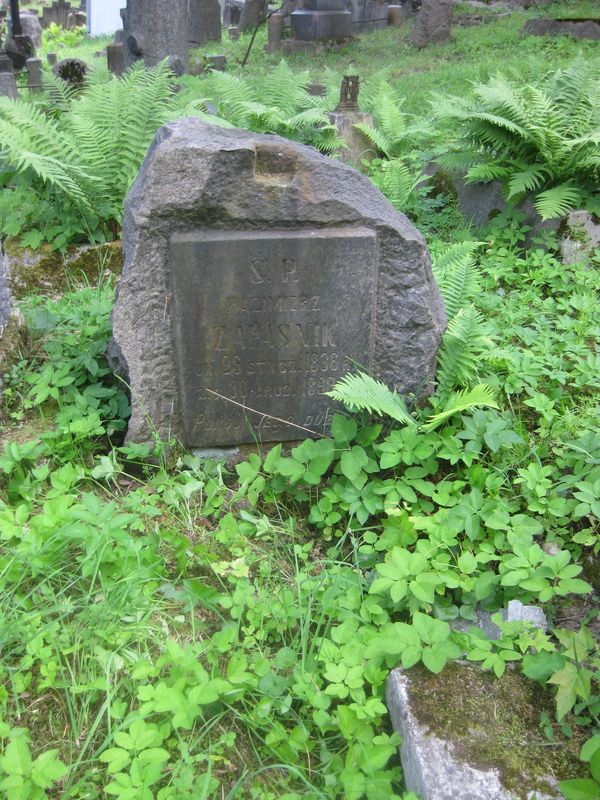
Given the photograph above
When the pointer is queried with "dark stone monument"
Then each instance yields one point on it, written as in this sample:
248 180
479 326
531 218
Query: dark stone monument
398 15
8 85
433 22
114 58
155 30
254 12
275 28
217 61
232 11
52 59
77 19
346 117
57 13
17 46
204 22
31 27
257 273
368 15
321 20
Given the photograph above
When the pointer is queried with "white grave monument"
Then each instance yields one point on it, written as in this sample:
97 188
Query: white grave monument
103 16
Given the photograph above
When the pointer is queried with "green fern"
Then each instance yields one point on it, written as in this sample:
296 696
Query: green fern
361 392
459 402
81 151
394 133
278 103
463 345
542 139
397 180
558 201
457 275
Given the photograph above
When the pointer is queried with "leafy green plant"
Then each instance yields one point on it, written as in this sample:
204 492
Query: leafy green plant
24 776
78 165
55 36
585 788
277 103
539 138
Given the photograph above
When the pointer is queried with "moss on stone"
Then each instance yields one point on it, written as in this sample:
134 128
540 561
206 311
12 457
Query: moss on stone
494 723
12 340
50 272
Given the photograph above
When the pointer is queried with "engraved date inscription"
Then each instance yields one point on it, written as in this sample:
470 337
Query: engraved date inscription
268 320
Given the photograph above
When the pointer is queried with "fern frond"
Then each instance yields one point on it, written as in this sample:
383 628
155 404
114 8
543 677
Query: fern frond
457 276
361 392
480 395
486 172
397 181
459 358
376 137
526 180
458 161
556 202
541 138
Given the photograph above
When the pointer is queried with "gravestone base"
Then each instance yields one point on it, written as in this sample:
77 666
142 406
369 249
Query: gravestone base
257 273
8 85
314 26
291 47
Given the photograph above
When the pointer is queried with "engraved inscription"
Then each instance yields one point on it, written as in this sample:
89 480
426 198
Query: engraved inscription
265 323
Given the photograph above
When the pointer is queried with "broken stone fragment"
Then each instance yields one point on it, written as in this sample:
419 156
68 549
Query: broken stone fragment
468 735
582 237
512 613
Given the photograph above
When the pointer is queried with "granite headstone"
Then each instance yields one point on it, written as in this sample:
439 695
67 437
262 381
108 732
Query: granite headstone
253 13
204 22
257 273
31 27
433 22
155 30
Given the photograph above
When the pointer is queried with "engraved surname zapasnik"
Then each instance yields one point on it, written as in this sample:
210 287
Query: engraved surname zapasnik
269 319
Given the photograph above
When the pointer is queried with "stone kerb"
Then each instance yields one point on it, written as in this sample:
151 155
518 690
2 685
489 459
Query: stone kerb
202 184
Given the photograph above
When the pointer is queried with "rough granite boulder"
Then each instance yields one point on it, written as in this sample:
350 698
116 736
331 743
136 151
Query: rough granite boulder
231 188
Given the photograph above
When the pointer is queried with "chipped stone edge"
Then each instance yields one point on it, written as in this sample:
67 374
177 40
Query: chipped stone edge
427 760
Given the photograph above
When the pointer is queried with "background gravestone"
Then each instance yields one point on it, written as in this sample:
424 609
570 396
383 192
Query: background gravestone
155 30
433 22
31 27
262 271
204 22
253 13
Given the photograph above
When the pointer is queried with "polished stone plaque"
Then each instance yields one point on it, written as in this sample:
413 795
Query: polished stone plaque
265 323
